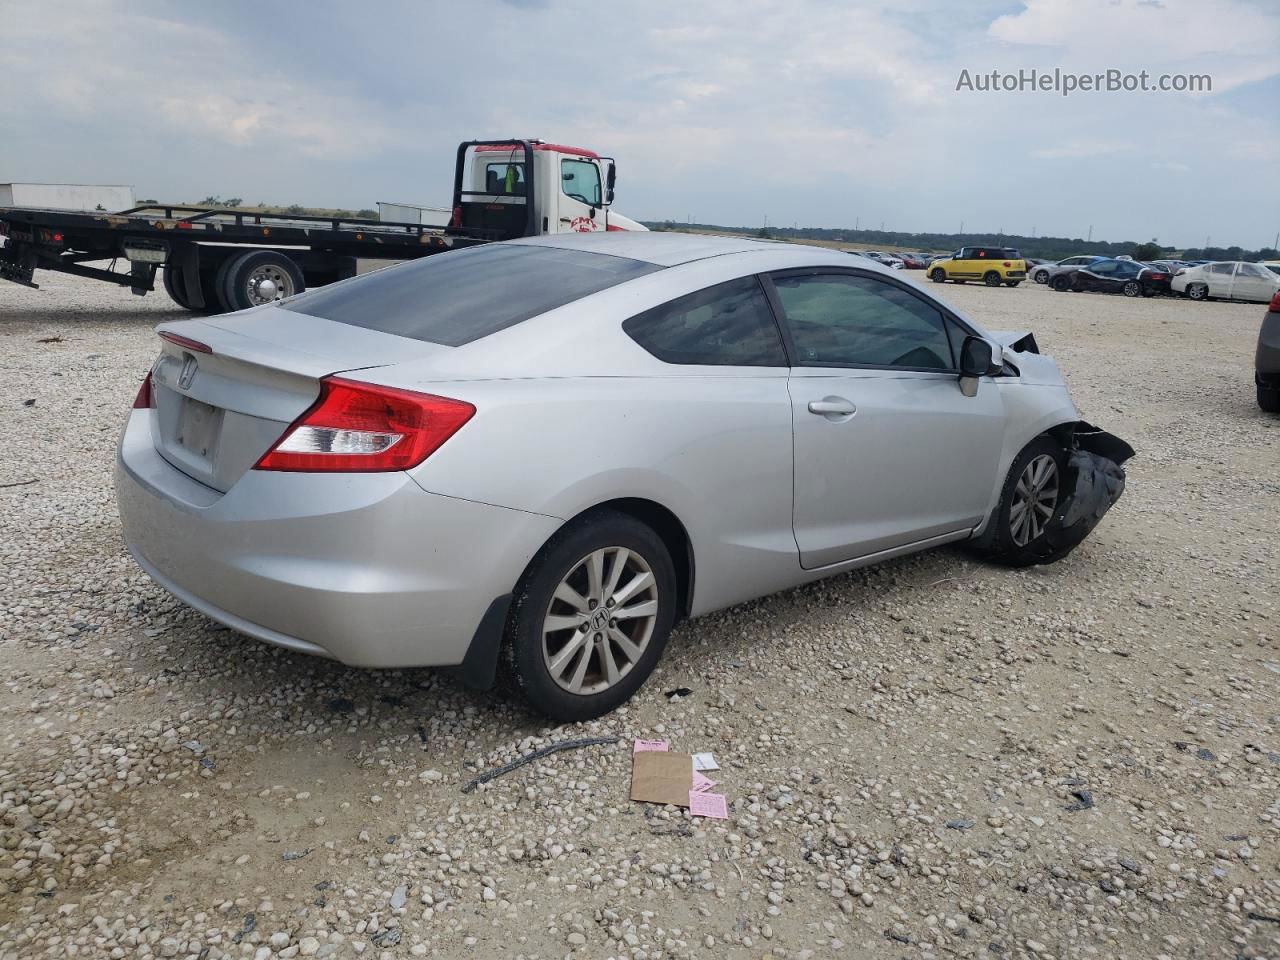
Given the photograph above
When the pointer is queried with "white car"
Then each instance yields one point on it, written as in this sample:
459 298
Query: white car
1227 280
1044 272
888 259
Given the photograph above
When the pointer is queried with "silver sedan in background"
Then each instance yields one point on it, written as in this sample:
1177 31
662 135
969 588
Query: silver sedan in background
537 456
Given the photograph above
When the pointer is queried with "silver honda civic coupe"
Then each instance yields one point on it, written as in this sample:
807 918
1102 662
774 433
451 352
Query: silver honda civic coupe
535 457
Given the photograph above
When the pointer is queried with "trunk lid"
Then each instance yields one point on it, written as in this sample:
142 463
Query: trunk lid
218 412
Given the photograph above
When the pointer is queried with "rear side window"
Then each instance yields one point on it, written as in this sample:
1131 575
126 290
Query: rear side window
457 297
1221 267
729 324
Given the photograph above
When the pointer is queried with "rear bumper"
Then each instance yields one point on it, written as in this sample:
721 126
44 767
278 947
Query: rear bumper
1267 359
368 569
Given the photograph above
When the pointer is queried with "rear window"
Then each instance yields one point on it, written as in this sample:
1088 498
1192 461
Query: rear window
457 297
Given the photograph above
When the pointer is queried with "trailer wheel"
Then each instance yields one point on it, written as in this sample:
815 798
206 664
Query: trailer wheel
173 286
259 277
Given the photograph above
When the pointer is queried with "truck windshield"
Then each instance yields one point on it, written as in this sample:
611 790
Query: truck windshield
457 297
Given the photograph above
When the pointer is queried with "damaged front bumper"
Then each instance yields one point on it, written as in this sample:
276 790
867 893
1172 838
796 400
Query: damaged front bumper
1094 481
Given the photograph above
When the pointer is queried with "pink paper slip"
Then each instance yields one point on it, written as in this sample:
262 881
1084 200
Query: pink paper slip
711 805
701 784
651 746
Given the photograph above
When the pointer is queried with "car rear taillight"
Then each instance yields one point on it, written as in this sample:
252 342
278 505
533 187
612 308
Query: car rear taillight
361 427
186 343
456 219
1275 302
144 400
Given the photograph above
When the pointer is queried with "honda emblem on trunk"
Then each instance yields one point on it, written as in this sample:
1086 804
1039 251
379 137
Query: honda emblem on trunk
188 372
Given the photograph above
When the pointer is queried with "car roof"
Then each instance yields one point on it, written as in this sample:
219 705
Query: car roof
663 248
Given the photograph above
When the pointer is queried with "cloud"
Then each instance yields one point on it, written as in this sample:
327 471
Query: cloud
725 111
1081 148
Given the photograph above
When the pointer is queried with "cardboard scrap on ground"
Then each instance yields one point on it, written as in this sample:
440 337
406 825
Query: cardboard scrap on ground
660 776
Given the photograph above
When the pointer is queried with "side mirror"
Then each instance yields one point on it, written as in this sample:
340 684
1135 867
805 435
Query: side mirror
975 361
610 180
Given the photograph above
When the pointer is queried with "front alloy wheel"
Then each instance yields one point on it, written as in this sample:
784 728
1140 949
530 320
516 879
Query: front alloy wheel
1132 289
1035 497
600 620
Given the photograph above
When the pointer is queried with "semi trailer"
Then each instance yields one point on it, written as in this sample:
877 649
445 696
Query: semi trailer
218 260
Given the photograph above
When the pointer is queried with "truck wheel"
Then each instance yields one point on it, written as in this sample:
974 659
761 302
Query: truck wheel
259 277
1269 399
591 616
173 286
937 275
991 278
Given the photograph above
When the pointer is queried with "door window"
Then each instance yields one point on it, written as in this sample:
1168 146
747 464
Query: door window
848 320
1223 268
580 179
1256 272
729 324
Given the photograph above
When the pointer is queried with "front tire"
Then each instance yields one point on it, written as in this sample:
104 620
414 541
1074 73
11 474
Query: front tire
1061 284
612 575
1198 291
1032 492
938 275
991 278
1132 289
1040 276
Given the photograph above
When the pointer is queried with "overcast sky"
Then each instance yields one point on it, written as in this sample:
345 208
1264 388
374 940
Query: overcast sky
821 113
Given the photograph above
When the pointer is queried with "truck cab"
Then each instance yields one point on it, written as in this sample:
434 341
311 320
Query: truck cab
521 188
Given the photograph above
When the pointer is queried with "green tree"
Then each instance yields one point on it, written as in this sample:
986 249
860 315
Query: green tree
1147 251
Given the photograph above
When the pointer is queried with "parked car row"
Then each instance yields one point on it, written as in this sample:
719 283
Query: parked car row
1226 280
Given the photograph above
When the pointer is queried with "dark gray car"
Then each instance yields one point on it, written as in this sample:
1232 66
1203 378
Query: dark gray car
1267 360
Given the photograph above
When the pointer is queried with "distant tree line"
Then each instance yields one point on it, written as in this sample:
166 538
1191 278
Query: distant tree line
1050 248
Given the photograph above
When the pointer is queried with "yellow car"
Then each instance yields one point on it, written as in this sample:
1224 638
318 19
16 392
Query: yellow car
992 265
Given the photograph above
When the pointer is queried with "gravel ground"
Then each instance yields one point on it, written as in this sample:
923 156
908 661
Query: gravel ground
932 758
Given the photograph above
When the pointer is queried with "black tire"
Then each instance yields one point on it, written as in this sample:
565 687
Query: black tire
1061 284
532 602
998 542
1132 289
1198 291
238 272
174 287
938 275
991 278
1269 399
1040 276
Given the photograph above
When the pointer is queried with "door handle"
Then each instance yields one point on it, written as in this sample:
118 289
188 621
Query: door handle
832 407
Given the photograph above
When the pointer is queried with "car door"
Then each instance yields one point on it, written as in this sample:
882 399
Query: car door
580 196
1100 275
887 449
1252 282
1219 277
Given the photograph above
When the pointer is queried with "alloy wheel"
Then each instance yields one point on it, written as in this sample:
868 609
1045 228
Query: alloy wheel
267 284
600 620
1034 499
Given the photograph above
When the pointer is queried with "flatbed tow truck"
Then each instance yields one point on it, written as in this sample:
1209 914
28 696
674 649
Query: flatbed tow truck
218 260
